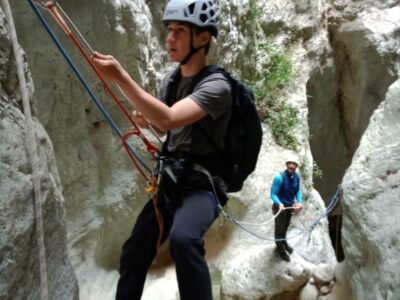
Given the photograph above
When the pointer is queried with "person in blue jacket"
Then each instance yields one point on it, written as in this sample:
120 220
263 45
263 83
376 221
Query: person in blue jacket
285 192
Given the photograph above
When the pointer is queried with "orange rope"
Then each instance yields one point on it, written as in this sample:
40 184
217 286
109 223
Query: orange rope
153 189
150 147
160 220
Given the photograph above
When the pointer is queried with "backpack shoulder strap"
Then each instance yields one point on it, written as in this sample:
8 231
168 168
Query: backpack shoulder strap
170 98
208 70
172 89
172 86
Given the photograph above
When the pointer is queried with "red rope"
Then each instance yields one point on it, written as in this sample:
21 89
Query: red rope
160 220
151 148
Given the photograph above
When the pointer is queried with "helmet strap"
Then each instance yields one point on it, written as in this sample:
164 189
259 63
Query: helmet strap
193 50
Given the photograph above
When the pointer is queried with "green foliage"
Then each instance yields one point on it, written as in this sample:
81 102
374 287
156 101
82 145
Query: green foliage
282 119
277 72
255 11
317 172
268 86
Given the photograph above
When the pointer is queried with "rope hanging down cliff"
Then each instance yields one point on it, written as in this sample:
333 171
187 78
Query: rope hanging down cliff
66 24
31 149
69 28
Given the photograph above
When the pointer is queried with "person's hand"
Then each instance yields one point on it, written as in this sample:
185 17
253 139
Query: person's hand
281 207
139 119
298 207
108 66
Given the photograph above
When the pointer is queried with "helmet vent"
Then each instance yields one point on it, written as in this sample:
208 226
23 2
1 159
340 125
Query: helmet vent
191 8
203 18
204 6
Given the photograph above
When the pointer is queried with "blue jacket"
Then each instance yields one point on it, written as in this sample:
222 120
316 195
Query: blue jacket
286 190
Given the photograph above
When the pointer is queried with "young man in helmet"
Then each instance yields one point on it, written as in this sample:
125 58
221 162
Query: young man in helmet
285 193
187 205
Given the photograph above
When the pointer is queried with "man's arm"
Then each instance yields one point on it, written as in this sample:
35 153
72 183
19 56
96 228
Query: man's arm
276 186
299 198
183 112
140 120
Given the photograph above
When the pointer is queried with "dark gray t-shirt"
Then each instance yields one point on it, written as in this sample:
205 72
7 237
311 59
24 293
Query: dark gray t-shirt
213 94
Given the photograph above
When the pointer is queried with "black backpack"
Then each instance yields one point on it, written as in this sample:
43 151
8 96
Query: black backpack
244 134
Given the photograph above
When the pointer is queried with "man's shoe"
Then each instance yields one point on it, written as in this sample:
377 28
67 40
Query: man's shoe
282 254
289 249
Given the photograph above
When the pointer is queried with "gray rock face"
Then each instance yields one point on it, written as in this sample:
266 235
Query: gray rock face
350 82
371 205
261 274
346 54
323 274
19 262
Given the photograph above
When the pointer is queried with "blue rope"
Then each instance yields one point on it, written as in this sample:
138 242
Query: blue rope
84 83
328 209
309 228
237 223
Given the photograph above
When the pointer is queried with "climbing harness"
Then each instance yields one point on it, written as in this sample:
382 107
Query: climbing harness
71 30
31 149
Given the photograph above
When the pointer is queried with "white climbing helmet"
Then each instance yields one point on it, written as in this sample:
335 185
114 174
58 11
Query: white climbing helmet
293 158
201 13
